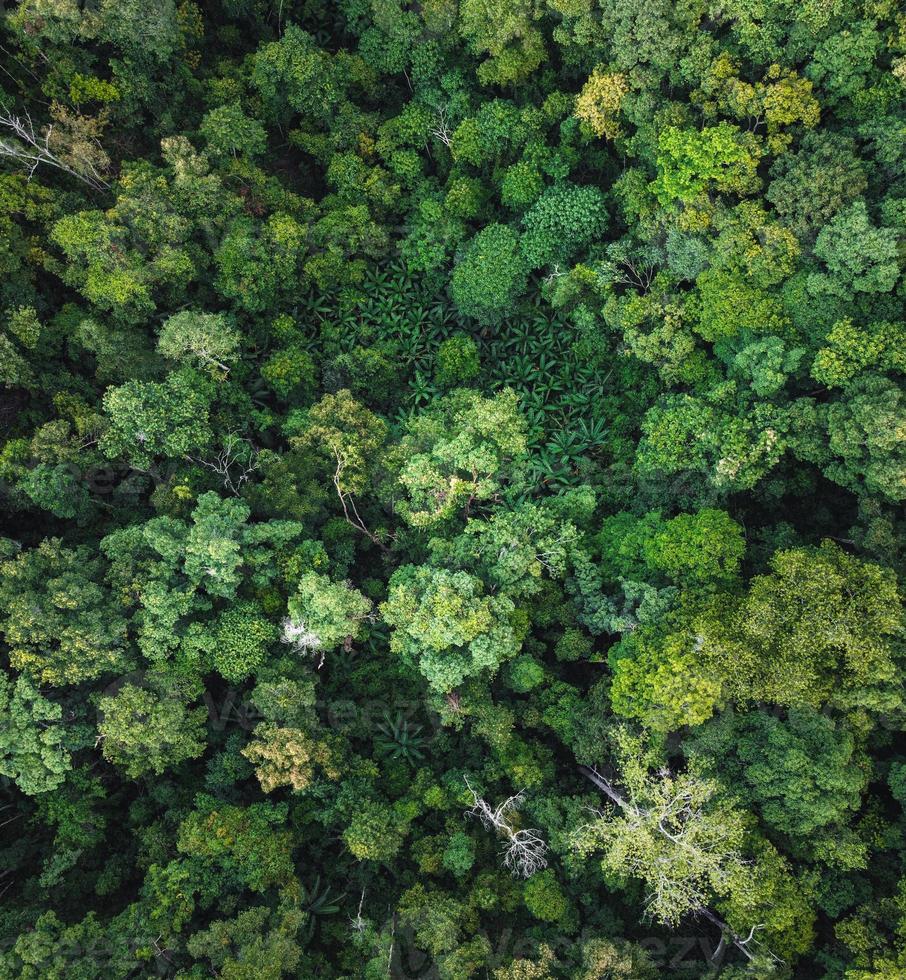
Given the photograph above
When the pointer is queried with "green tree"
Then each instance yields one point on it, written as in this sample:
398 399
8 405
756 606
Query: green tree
258 941
243 842
819 629
150 729
689 162
490 276
508 34
296 73
803 771
240 640
206 340
376 832
260 264
457 360
324 615
61 624
690 847
347 438
809 186
460 454
564 220
672 831
149 420
229 132
863 431
857 255
32 750
446 626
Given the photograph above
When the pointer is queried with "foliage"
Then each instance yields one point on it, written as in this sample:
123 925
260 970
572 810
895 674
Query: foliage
146 730
598 104
801 771
446 626
31 749
451 468
491 275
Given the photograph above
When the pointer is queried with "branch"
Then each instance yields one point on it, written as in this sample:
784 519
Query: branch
348 503
33 150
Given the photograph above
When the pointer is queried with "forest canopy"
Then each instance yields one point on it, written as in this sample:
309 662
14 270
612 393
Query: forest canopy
452 467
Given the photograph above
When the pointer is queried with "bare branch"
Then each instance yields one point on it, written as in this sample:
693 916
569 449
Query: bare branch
524 851
234 464
441 129
31 149
350 511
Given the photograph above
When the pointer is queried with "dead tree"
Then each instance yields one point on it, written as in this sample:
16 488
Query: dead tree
524 851
234 464
306 641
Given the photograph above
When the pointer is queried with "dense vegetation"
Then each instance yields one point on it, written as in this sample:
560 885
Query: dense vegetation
452 462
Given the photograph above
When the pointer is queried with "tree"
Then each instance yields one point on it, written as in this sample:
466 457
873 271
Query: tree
819 629
849 350
172 571
694 550
618 959
457 361
150 729
295 72
61 624
259 264
661 680
688 434
241 636
458 455
347 437
71 144
809 186
287 757
53 950
720 157
32 750
435 917
243 842
565 219
670 830
229 132
842 61
207 340
258 941
146 249
149 420
526 969
523 849
376 832
598 104
513 549
446 626
490 276
507 33
323 615
863 437
803 771
858 256
688 846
